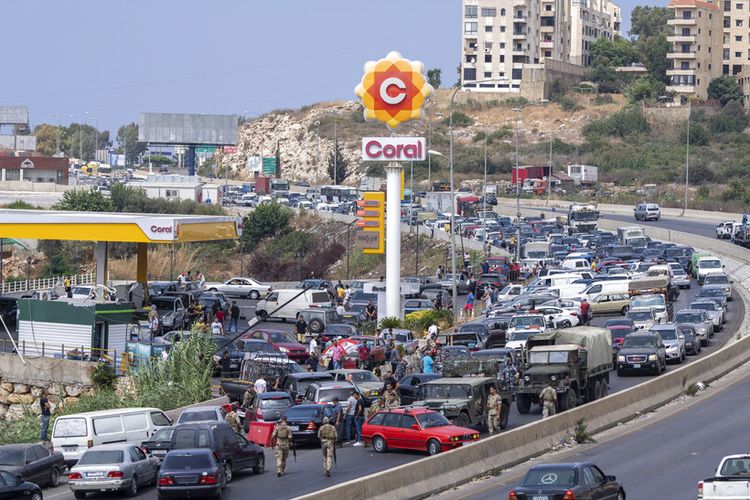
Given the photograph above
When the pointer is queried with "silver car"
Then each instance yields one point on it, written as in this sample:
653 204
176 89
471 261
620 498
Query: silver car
674 342
112 467
713 310
699 320
202 414
240 287
720 279
680 277
643 318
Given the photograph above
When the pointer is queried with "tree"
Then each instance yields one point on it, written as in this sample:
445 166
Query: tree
644 88
649 24
725 88
617 51
79 141
338 166
46 138
654 55
264 222
648 21
84 200
731 118
127 138
433 77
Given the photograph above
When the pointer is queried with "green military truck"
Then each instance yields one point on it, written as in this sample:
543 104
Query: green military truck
461 396
577 362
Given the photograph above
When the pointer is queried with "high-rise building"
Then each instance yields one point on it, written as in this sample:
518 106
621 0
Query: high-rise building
500 36
696 46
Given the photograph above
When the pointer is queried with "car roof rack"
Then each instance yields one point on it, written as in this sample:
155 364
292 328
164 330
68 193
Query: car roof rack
472 367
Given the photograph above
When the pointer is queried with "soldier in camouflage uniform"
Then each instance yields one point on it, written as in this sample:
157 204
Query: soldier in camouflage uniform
234 420
548 398
391 398
248 396
282 433
327 435
494 411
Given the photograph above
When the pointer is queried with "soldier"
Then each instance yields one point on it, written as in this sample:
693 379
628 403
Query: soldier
494 410
328 436
548 397
234 420
391 398
282 434
248 396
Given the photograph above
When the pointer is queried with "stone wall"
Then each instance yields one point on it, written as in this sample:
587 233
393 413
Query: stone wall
537 79
22 384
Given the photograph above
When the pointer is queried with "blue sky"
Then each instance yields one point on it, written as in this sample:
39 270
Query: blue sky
116 58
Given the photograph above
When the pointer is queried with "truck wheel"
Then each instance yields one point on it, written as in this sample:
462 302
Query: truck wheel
506 414
263 315
569 400
591 391
605 388
523 403
625 310
316 326
463 420
598 389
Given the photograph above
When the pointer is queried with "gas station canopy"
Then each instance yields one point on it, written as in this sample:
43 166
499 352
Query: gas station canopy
110 227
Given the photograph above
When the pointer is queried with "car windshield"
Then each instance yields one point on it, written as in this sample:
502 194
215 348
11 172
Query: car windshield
709 264
618 322
687 331
401 337
181 462
668 334
275 403
735 467
162 435
647 301
716 279
11 457
710 292
326 395
281 337
550 477
684 317
432 419
163 304
521 334
360 377
101 457
639 341
640 315
704 306
526 322
198 416
548 357
446 391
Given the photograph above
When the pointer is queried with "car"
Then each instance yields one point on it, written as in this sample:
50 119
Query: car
643 318
296 384
699 320
559 317
715 293
14 487
493 280
647 211
404 337
674 342
190 472
705 265
368 384
620 322
713 310
521 326
654 301
415 429
471 339
202 414
680 278
408 387
567 481
172 313
642 351
281 340
724 230
240 287
159 443
461 399
234 452
32 462
315 284
267 407
305 420
462 285
610 303
112 467
255 346
208 299
692 340
325 392
414 305
319 319
722 280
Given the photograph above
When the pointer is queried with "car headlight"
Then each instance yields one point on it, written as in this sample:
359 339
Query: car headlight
283 349
374 393
553 378
527 378
652 357
620 358
453 438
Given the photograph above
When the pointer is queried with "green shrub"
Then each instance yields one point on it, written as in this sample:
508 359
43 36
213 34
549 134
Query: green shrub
568 104
603 99
460 119
389 322
626 122
420 321
104 376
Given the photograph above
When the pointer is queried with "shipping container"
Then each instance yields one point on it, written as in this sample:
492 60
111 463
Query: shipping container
522 173
583 174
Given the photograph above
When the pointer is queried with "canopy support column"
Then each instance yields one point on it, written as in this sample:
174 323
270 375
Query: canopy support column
102 249
142 263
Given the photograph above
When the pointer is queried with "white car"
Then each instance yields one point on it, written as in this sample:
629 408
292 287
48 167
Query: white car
654 301
559 316
724 229
643 318
521 326
240 287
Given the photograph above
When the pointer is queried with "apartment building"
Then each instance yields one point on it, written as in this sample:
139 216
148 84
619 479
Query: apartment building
736 25
696 46
500 36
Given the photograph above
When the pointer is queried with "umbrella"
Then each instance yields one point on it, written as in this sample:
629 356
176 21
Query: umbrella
349 345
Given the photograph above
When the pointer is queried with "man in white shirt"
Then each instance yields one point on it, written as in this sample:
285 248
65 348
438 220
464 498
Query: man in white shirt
433 330
349 421
217 328
313 347
340 310
260 385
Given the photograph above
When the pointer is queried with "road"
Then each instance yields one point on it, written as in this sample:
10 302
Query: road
45 200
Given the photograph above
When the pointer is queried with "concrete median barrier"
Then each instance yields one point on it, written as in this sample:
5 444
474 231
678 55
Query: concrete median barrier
438 473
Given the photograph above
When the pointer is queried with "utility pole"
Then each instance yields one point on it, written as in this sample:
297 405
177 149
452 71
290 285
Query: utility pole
429 156
335 151
484 196
549 175
518 195
411 198
687 162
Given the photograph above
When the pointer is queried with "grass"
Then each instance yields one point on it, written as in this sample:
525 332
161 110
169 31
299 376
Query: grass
581 433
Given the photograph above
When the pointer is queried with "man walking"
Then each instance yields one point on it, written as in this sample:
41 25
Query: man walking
359 417
327 436
548 398
301 328
46 414
234 317
68 289
282 436
350 412
585 311
494 410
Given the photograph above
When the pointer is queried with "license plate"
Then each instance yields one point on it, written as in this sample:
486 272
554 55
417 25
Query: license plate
636 366
94 474
294 428
159 453
540 497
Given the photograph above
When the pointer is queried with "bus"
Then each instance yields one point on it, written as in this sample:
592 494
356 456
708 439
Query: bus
338 194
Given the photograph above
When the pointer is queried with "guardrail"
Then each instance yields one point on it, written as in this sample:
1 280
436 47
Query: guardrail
438 473
44 283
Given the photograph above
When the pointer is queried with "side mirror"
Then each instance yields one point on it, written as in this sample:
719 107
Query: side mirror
415 427
610 479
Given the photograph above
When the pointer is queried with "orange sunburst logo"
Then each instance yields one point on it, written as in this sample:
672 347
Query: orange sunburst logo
393 90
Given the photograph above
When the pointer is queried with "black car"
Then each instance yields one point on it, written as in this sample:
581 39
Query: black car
305 420
190 473
267 407
233 451
692 340
159 443
14 487
32 462
642 351
296 384
408 387
576 480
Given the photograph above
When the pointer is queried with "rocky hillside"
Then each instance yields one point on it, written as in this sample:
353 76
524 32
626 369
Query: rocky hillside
305 137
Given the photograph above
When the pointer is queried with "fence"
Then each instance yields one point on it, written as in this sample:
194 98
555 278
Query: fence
44 283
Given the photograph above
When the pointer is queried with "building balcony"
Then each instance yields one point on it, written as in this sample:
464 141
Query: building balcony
546 29
547 44
523 20
681 89
681 38
519 52
679 21
519 35
679 71
681 55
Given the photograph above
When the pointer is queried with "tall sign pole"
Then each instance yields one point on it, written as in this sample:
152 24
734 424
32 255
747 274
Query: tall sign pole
393 90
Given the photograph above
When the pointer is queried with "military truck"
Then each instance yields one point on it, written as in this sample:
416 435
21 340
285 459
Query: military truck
577 362
461 396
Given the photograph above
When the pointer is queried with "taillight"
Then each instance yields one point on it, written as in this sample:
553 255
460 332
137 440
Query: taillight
74 476
700 490
569 495
311 426
573 313
512 495
116 474
166 481
207 479
259 414
90 443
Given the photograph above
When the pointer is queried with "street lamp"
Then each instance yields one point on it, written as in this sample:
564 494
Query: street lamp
687 162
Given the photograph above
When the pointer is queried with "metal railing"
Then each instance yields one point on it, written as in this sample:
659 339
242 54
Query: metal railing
44 283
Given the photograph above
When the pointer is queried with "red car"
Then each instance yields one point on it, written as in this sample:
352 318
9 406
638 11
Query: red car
415 429
282 341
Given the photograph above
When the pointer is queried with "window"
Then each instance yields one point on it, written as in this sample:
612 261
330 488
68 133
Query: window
136 455
488 58
738 38
70 427
738 54
686 14
588 477
516 74
377 419
727 22
502 29
685 31
407 421
598 475
685 65
502 45
725 54
7 479
135 422
107 425
392 420
727 6
502 60
548 7
547 53
172 193
685 48
738 6
12 175
488 28
738 22
502 12
470 28
470 11
489 12
488 45
470 74
487 74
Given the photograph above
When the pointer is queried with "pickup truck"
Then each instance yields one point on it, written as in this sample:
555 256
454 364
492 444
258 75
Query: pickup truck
732 479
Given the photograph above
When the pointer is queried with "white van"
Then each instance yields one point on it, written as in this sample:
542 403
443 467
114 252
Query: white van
707 265
575 264
599 287
567 291
557 279
74 434
300 300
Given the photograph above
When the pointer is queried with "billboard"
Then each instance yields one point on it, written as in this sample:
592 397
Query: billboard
188 129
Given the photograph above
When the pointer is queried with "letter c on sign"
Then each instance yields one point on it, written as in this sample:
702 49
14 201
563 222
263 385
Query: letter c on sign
373 149
395 82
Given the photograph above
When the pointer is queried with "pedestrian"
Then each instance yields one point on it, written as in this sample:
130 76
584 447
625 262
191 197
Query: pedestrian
248 396
391 398
363 353
449 302
340 293
469 307
585 311
439 272
347 296
282 438
216 327
165 352
215 308
336 414
234 420
201 280
153 322
46 413
351 410
371 312
340 309
400 368
301 328
427 363
225 364
548 398
312 347
68 288
494 411
359 417
220 315
260 385
509 373
337 354
312 361
485 267
393 358
438 302
327 435
234 317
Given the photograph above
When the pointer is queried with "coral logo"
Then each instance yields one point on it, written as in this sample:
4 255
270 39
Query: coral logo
393 90
161 229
